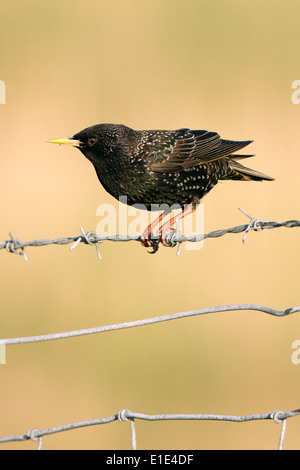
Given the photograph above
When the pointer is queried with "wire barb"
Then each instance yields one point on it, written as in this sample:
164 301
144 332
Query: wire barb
88 238
254 224
13 246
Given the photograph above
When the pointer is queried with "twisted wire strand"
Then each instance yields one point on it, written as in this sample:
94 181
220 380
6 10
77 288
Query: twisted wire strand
14 245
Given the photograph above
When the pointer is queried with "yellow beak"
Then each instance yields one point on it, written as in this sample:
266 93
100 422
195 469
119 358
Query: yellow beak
65 140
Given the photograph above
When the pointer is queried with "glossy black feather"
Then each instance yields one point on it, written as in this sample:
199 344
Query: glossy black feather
155 167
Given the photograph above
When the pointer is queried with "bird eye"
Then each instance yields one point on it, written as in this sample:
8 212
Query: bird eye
92 141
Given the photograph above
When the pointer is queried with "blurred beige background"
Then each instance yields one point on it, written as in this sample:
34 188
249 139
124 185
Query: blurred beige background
226 66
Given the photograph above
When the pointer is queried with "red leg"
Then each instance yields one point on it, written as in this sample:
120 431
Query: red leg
167 227
146 237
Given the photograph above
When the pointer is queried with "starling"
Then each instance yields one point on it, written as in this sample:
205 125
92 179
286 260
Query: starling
159 168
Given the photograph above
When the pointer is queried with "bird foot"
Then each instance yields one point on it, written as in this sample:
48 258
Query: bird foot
165 237
164 234
148 242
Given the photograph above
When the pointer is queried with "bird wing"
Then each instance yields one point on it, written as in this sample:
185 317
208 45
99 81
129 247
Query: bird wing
193 148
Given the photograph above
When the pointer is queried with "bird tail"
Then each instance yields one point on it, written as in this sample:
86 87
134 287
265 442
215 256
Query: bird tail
240 172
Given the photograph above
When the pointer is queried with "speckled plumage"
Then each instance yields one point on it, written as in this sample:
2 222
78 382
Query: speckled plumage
156 167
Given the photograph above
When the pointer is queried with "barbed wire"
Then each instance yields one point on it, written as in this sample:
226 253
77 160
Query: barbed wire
18 247
14 245
149 321
278 416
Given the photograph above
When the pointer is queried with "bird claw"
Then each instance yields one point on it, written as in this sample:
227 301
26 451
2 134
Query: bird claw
165 236
154 245
148 242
